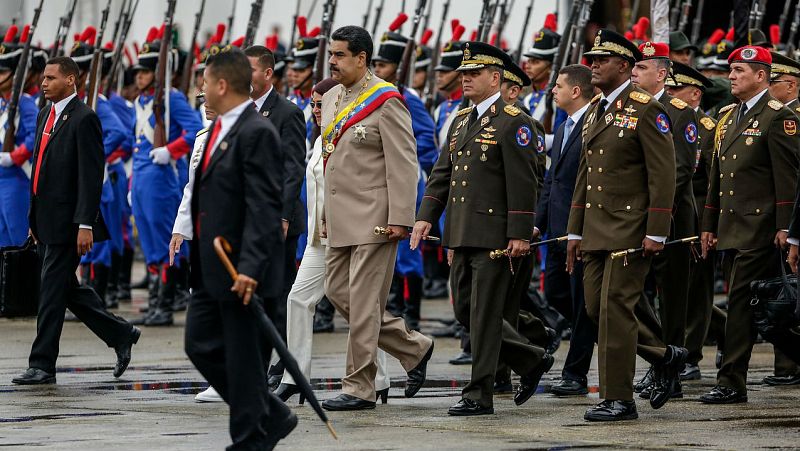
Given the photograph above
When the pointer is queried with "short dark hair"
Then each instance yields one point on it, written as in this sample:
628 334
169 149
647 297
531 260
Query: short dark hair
580 76
65 64
266 58
663 63
358 40
755 67
232 66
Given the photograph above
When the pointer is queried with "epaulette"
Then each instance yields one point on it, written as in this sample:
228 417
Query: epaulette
797 109
201 132
726 108
596 98
464 111
511 110
774 104
640 97
678 103
708 123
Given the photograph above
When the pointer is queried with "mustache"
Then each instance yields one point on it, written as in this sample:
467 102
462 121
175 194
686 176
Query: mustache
333 68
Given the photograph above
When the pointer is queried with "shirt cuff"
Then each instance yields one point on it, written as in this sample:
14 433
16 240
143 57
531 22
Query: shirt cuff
85 226
793 241
572 236
659 239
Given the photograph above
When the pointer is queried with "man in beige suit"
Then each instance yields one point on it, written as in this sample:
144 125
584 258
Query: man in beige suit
370 180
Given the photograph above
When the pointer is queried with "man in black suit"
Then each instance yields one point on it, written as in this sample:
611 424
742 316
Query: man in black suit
237 195
65 220
572 93
288 120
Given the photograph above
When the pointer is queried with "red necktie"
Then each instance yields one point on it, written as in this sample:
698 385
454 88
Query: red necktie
211 140
48 128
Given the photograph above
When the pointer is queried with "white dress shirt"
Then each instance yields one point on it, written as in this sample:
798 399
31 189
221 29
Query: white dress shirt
483 106
260 101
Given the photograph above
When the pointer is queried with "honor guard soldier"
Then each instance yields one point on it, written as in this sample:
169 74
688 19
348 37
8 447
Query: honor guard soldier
448 81
623 199
422 63
670 268
97 263
783 86
681 50
212 47
15 166
538 66
486 181
702 316
155 188
514 81
749 204
301 76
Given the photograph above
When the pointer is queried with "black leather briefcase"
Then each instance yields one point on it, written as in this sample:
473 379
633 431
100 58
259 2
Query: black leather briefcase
20 271
776 312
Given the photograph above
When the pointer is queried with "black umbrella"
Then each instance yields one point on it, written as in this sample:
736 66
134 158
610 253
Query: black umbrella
223 248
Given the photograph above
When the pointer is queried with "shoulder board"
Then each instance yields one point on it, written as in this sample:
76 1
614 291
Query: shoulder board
511 110
201 132
726 108
464 111
708 123
678 103
596 98
797 109
640 97
774 104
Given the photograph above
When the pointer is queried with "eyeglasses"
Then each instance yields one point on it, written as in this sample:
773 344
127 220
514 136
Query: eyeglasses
772 82
316 104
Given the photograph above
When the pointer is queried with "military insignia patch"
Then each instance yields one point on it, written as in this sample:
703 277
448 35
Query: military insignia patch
640 97
678 103
512 110
484 121
690 133
540 146
625 121
524 136
662 123
790 127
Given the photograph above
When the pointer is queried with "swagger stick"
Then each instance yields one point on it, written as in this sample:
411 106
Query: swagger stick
497 253
384 231
625 253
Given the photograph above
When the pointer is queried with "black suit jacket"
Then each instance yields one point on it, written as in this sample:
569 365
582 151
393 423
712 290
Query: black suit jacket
552 213
289 121
70 176
238 197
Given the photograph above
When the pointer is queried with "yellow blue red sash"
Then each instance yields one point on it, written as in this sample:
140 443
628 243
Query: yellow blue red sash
359 109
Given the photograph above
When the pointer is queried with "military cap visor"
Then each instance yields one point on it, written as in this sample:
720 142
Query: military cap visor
782 65
478 55
679 41
611 43
683 75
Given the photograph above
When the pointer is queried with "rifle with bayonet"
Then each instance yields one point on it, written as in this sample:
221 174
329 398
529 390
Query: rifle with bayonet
558 61
18 85
485 20
118 23
790 47
187 74
675 10
96 66
698 19
430 84
230 23
328 12
426 18
632 14
405 69
119 46
64 24
505 11
578 34
784 15
378 12
523 37
365 18
686 8
757 14
294 23
252 24
160 131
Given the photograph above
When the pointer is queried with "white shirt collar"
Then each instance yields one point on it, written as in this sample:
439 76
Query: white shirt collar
659 93
260 101
228 119
483 106
576 116
61 104
752 102
615 93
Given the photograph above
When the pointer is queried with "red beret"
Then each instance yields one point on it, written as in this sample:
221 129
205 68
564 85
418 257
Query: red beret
653 50
751 54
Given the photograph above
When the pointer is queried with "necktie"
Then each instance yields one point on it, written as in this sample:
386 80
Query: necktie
567 132
48 128
473 117
742 113
602 110
211 141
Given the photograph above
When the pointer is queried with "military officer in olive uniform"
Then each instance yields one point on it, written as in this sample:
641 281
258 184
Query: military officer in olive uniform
670 268
749 204
785 77
486 180
702 316
623 199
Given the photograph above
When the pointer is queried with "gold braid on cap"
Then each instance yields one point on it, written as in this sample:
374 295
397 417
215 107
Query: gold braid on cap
511 77
784 69
687 80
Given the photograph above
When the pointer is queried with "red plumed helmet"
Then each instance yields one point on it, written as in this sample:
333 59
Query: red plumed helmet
458 32
89 35
716 36
152 35
774 34
302 26
110 45
398 22
11 34
314 32
161 32
493 39
474 35
729 36
454 24
640 32
23 38
238 42
272 42
550 22
217 38
426 36
629 35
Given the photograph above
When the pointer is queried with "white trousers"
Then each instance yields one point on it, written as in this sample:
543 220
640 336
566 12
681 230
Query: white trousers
307 291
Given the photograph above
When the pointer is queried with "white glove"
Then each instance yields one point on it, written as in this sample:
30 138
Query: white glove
5 160
160 155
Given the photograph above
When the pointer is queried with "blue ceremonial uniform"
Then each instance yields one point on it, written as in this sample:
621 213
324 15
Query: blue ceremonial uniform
442 114
126 113
304 103
15 180
155 189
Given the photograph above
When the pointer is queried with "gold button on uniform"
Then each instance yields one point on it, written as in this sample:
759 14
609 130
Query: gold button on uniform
466 168
601 151
463 183
462 199
731 175
730 211
734 156
758 211
453 183
627 207
731 192
588 205
721 193
599 188
491 211
588 187
590 169
722 158
456 168
589 152
600 170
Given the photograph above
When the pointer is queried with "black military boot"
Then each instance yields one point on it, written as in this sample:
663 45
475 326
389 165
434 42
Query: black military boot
395 304
162 315
124 284
182 295
153 286
413 302
113 281
99 279
323 316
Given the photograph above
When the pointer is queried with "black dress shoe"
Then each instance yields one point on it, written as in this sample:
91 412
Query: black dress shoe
449 331
691 372
286 391
677 391
791 379
274 381
528 383
467 408
568 387
465 358
611 410
667 377
279 432
723 395
416 377
644 382
718 359
160 318
347 402
503 387
323 327
34 376
124 352
553 340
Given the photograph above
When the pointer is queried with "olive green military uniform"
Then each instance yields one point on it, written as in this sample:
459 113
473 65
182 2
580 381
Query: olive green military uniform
702 317
624 191
750 198
486 181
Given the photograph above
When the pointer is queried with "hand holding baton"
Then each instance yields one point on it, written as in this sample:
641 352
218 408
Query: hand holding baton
378 230
626 252
497 253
